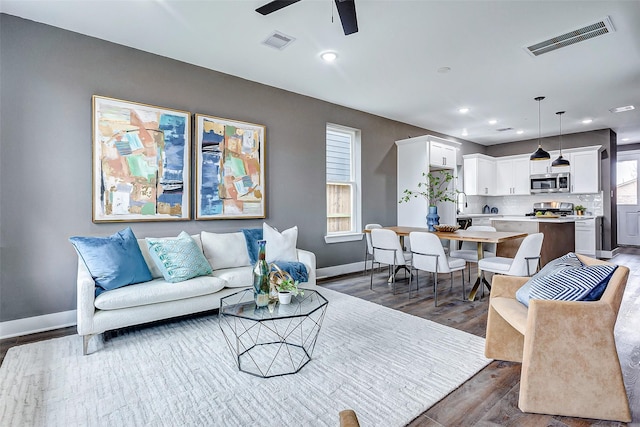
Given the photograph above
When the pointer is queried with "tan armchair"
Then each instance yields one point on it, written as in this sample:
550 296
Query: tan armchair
570 364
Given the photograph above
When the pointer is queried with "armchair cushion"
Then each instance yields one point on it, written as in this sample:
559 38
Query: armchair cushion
549 273
572 284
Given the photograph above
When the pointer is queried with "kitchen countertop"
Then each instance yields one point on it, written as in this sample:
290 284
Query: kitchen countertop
562 219
465 215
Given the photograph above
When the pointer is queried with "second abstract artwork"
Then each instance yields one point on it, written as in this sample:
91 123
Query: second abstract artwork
229 169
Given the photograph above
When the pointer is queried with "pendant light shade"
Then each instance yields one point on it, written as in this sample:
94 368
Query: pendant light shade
539 154
560 161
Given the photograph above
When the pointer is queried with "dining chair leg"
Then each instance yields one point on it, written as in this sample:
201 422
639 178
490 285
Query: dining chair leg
435 288
410 277
366 257
463 291
393 278
451 280
371 284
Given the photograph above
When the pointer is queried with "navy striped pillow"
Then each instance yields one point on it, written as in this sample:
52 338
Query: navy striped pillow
569 260
571 284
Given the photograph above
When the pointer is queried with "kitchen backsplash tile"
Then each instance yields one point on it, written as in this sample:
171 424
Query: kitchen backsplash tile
520 205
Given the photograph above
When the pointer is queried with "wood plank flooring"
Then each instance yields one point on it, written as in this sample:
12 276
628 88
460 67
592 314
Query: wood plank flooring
490 398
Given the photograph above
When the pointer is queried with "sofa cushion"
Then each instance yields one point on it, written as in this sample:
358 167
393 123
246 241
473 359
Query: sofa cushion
280 246
113 261
552 268
157 291
179 259
225 250
236 277
156 273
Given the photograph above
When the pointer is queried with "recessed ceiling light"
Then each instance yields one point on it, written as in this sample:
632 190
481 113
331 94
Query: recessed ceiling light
464 132
493 121
621 109
520 132
329 56
443 70
625 139
463 110
587 121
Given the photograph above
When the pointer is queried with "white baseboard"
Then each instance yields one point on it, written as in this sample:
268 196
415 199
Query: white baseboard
31 325
337 270
608 254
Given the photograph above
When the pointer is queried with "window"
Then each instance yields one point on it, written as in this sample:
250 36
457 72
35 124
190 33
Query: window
343 184
627 185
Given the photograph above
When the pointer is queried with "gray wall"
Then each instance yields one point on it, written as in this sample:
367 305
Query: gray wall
608 154
47 79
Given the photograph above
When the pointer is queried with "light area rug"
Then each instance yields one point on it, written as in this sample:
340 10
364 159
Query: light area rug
386 365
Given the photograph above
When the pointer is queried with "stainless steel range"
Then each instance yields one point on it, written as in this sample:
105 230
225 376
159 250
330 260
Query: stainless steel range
557 208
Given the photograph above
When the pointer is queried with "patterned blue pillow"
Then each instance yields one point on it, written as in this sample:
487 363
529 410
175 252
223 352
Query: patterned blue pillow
569 260
178 258
113 261
572 284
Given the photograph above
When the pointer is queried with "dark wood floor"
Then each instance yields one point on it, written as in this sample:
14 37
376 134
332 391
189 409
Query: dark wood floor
490 398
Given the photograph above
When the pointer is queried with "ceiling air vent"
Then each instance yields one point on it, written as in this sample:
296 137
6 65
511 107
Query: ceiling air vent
504 129
278 40
599 28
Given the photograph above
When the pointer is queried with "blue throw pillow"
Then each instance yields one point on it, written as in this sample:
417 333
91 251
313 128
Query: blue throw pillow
178 258
569 260
252 236
297 270
113 261
572 284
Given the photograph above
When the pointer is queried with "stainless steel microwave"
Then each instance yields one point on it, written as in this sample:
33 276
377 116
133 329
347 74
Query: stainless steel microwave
550 183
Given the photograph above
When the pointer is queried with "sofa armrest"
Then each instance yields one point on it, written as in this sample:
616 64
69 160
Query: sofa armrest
86 291
309 260
506 286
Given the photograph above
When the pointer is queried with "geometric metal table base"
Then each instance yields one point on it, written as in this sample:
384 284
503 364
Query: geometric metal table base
275 340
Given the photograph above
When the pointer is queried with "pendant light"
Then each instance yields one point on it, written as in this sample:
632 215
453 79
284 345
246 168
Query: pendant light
560 161
539 154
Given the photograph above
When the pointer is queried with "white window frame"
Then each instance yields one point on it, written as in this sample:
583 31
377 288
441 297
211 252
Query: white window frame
356 181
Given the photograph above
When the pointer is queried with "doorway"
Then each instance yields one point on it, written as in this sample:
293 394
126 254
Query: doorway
628 198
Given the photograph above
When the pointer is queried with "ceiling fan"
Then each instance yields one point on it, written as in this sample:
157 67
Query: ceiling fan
346 11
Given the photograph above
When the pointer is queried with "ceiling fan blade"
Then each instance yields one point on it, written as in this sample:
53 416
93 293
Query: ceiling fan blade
347 12
274 5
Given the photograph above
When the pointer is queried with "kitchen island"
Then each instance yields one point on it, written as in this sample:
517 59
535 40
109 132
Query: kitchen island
559 235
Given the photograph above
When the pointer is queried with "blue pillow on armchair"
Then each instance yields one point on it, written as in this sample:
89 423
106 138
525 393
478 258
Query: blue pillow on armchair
113 261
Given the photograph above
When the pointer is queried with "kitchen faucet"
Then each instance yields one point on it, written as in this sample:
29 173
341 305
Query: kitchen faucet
464 198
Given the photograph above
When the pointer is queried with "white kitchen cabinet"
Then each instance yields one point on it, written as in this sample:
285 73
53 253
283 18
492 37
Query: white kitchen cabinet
585 171
442 155
479 175
512 176
537 167
588 235
413 161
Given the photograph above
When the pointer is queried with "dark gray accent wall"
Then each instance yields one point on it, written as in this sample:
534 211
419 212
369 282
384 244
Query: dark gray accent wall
47 78
608 154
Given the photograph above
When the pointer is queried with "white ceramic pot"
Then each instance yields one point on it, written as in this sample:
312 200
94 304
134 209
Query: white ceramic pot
284 297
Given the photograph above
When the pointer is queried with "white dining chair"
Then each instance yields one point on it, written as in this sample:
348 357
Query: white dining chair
469 250
428 255
368 250
387 250
525 262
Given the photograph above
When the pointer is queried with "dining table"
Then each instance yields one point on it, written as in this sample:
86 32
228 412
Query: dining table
479 237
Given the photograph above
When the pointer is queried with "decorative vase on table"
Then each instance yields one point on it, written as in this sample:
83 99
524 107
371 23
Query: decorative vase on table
261 284
433 218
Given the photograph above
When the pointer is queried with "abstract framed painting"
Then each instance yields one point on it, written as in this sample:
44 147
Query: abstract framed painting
229 169
141 162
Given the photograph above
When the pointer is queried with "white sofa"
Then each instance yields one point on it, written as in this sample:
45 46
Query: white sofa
159 299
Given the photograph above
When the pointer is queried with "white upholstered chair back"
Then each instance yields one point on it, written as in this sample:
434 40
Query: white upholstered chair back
386 247
528 254
473 246
423 244
368 236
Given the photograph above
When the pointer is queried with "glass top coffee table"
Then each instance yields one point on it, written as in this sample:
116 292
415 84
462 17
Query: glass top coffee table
274 340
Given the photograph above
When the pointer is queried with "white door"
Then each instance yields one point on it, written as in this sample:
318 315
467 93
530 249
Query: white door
628 198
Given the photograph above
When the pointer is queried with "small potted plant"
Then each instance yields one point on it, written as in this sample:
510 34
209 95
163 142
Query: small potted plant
579 209
287 288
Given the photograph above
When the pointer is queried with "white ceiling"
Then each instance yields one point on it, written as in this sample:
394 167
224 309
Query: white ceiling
389 67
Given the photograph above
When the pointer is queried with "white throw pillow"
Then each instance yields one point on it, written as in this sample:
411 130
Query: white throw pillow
280 246
225 250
